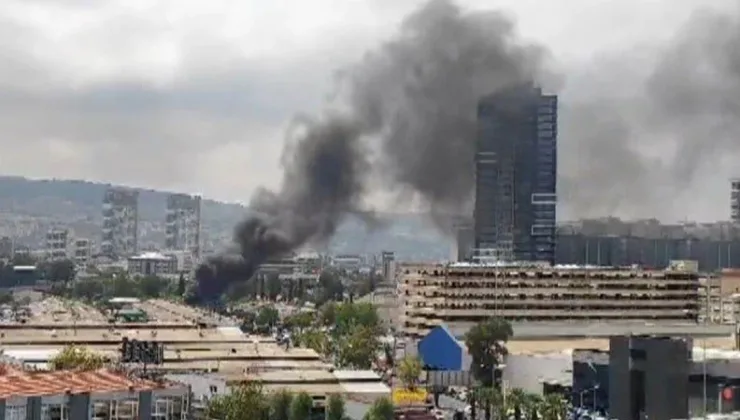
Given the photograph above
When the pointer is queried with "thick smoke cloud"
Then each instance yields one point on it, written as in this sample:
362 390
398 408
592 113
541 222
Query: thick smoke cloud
639 144
632 143
409 116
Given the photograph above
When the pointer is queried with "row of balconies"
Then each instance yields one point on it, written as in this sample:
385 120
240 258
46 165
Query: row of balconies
547 293
539 284
487 272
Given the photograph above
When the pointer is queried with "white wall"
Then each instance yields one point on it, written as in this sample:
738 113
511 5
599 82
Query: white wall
528 372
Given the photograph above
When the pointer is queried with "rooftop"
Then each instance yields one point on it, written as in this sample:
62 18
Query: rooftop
28 384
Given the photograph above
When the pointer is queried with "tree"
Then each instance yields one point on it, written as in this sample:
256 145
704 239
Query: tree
382 409
352 315
301 406
267 316
315 340
150 286
486 342
328 314
335 408
554 407
244 402
300 320
60 271
358 348
77 358
517 399
6 297
181 286
280 403
409 371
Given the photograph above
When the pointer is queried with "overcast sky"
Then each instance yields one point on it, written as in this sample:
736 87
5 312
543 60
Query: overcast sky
194 96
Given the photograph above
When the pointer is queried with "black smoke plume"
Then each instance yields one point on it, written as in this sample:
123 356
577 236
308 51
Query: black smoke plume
409 117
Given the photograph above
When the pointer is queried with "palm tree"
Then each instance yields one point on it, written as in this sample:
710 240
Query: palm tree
533 406
517 400
554 407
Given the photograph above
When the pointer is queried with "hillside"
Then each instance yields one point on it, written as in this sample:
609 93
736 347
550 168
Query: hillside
78 203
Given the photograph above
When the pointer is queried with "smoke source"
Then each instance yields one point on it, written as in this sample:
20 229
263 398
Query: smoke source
411 106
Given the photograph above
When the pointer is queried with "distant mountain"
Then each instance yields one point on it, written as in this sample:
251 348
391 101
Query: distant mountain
78 203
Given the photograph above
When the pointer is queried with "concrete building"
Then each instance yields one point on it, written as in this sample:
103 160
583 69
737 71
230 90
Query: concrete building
183 223
462 294
388 260
153 264
516 175
82 251
102 394
120 223
735 200
57 244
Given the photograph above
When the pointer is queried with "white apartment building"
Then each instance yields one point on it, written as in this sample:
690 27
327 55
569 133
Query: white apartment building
120 223
57 244
183 224
153 264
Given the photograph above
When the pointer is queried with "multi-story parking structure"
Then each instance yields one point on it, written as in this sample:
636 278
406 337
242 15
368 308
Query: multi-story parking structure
460 295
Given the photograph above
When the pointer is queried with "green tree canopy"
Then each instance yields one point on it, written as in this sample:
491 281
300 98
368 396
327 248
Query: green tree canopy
335 408
409 371
77 358
267 316
244 402
382 409
301 406
280 403
486 343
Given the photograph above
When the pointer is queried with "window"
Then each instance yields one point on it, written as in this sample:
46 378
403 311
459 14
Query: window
543 230
544 198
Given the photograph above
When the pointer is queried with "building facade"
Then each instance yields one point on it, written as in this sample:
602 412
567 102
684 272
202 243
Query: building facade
82 252
101 394
153 264
183 223
57 244
120 223
461 295
516 175
388 259
735 200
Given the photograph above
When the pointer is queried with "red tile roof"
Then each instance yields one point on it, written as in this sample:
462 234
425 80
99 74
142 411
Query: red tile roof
29 384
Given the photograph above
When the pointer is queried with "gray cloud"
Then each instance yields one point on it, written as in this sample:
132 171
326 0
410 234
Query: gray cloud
650 132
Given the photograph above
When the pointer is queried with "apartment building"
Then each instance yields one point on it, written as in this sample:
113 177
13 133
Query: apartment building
153 264
82 250
183 223
120 223
102 394
462 294
57 244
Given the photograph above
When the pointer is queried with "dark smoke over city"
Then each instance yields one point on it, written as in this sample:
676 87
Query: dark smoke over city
409 115
635 137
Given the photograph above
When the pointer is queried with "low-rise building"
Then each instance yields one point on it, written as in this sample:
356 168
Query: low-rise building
66 395
57 244
82 252
462 293
152 264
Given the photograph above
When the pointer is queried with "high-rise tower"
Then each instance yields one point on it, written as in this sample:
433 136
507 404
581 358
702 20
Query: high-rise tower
120 223
183 223
516 175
